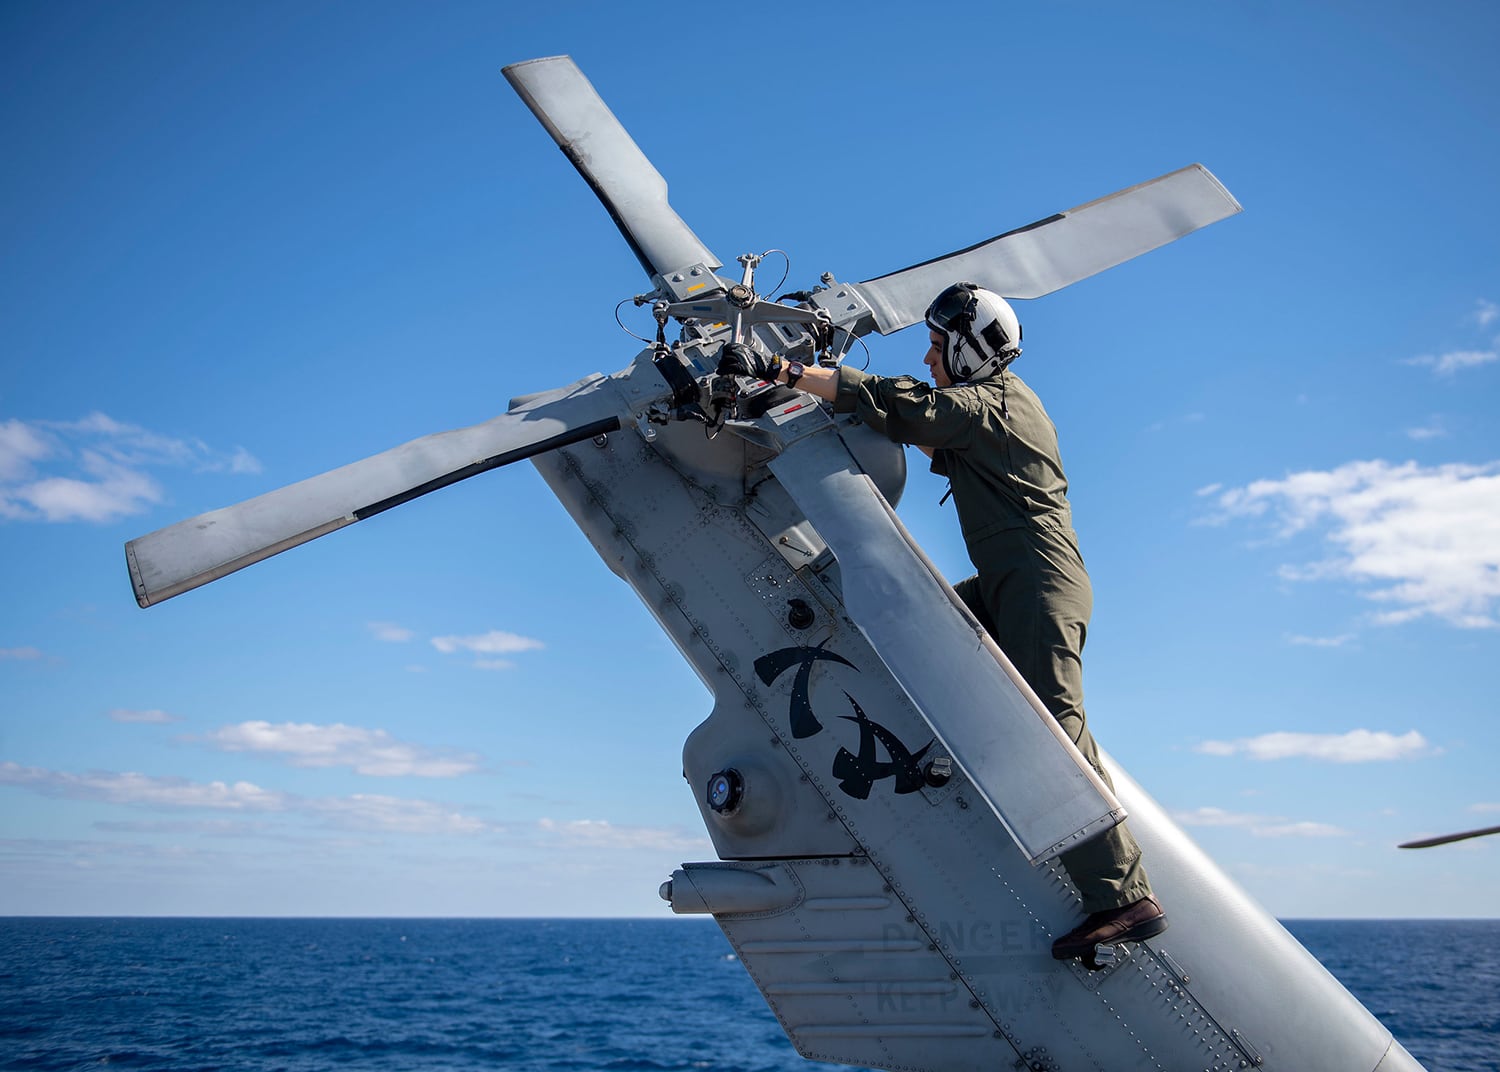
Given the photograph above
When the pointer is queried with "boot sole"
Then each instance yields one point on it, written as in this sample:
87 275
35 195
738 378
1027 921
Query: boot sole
1139 933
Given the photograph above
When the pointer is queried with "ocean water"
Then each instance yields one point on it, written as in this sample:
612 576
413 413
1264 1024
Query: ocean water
1435 984
193 995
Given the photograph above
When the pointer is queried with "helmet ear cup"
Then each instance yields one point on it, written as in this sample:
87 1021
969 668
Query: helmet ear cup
994 337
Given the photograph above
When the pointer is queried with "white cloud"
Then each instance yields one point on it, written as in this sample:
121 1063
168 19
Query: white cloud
27 652
1495 806
1209 816
21 446
1257 825
1186 418
601 834
97 468
1320 642
1356 746
202 827
364 811
389 632
371 752
487 646
1447 364
106 492
1433 429
1301 829
495 642
76 855
120 714
359 811
242 461
142 789
1454 361
1422 540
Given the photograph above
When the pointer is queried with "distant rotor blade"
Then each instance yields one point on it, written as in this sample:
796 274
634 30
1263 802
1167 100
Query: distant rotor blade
190 553
610 161
1062 249
990 722
1427 843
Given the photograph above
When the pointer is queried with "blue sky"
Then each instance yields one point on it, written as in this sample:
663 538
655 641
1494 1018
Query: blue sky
244 244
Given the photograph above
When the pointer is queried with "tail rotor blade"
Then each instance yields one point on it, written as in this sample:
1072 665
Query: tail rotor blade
190 553
1448 839
610 161
1062 249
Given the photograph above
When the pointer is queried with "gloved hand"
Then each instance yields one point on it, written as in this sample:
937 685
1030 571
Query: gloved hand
738 359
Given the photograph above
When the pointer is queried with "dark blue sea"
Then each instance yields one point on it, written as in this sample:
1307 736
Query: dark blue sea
193 995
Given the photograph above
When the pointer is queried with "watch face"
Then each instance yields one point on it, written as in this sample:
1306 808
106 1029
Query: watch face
795 369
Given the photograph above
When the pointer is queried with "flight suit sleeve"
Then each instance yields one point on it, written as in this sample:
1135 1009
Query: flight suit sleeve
909 410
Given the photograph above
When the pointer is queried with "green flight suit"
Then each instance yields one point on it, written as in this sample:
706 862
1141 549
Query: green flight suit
995 443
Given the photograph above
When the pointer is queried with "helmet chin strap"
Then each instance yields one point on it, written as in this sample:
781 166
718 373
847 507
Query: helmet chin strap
950 359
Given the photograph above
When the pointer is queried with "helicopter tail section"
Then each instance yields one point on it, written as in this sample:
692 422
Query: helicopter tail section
872 989
985 715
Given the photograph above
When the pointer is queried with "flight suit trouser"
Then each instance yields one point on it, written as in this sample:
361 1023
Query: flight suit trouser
1032 594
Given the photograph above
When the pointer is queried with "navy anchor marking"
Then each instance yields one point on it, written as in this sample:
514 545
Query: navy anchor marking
857 774
770 667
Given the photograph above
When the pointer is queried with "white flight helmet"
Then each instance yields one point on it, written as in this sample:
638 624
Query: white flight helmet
981 334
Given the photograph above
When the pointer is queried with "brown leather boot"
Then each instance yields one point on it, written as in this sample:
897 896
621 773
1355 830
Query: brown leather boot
1132 923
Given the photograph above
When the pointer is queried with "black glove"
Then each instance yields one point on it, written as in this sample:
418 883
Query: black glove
738 359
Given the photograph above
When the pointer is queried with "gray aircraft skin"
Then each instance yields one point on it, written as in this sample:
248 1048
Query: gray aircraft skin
886 796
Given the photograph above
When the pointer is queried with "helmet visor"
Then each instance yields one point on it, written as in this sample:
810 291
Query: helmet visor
953 307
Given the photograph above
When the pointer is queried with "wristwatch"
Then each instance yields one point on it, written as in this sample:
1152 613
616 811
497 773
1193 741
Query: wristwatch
794 371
